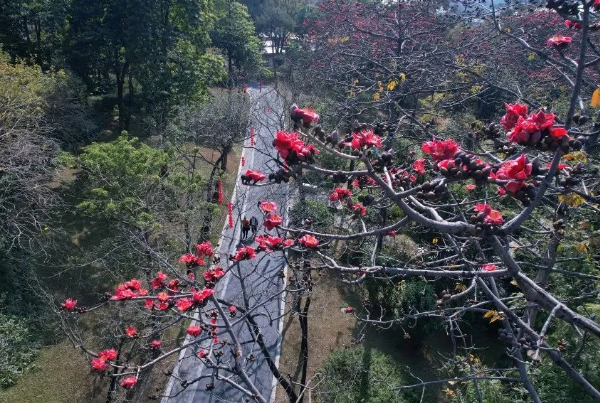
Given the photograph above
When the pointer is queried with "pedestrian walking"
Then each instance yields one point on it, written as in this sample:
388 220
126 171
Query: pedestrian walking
245 228
254 225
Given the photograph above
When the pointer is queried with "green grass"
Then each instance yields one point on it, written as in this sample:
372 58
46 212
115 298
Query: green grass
62 375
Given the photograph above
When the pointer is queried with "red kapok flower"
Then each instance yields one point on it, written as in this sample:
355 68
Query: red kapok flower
440 150
359 209
339 194
574 25
232 309
148 304
108 355
492 217
559 41
70 304
391 233
308 241
99 364
513 112
194 330
202 295
488 267
272 221
243 253
202 353
470 187
515 172
267 206
155 344
162 296
256 176
365 138
219 272
205 249
131 331
129 382
183 304
284 142
159 281
419 166
192 260
558 132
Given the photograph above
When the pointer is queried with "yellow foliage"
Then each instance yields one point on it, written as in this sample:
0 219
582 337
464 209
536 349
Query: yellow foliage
577 156
582 246
571 199
493 315
596 98
402 77
376 96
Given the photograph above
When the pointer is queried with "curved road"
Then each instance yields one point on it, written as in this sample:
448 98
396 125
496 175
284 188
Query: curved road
260 275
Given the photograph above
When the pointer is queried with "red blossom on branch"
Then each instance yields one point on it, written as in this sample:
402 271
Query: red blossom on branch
108 355
488 215
488 267
131 331
155 344
365 138
515 172
440 150
243 253
340 194
205 248
272 221
194 330
70 304
99 364
184 304
513 113
419 166
129 382
267 206
308 241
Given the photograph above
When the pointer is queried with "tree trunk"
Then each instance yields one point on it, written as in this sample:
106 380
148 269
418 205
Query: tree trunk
120 73
130 101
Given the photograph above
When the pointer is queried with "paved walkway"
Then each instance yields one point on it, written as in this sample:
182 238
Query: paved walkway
260 275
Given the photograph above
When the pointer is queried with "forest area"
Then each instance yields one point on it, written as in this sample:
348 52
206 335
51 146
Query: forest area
426 178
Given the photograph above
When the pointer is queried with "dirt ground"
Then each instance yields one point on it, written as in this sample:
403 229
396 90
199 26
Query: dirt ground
329 329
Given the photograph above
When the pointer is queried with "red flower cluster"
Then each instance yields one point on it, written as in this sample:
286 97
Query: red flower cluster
159 281
365 138
307 115
359 209
199 297
192 260
155 344
272 221
514 172
419 166
308 241
487 215
243 253
131 331
205 248
70 304
128 290
194 330
212 275
292 149
440 150
184 304
267 206
528 129
270 243
230 214
256 176
513 113
340 194
129 382
559 41
100 364
488 267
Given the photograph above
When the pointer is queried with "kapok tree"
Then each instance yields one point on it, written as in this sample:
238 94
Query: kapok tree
497 217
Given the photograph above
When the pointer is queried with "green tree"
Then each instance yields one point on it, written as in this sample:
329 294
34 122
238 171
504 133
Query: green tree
234 32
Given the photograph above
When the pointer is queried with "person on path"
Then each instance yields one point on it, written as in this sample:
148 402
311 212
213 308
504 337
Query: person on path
254 225
245 228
